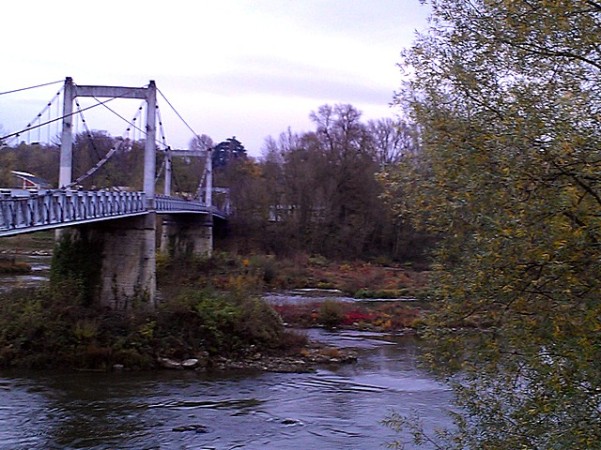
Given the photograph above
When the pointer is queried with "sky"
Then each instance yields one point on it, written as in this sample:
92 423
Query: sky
244 68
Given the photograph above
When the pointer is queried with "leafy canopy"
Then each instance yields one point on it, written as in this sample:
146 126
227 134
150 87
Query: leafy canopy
506 94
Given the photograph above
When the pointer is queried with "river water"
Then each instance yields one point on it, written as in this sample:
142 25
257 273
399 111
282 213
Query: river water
337 407
40 271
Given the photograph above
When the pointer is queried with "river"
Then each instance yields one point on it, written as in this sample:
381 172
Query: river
40 271
337 407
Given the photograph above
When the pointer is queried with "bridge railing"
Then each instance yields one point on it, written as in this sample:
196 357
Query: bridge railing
166 204
53 208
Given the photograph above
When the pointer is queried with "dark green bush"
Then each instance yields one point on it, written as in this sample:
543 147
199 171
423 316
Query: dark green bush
220 322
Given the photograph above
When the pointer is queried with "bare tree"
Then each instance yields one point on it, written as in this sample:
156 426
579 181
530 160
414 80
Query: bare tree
201 142
393 139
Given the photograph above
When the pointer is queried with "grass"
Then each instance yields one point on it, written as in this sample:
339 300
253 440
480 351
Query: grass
40 241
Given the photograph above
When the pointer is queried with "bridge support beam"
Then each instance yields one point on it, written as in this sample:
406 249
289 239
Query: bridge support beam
185 235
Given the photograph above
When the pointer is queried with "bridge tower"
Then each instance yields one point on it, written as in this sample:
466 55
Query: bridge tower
184 235
127 245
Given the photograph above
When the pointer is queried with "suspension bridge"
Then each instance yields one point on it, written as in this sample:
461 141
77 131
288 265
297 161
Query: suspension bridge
125 222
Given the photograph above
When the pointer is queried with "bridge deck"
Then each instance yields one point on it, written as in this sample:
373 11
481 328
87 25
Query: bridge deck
25 212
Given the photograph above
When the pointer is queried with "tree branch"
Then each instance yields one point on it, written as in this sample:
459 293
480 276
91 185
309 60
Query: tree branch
594 4
535 49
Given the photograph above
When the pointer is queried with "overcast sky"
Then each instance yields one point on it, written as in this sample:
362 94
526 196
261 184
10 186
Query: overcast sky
249 68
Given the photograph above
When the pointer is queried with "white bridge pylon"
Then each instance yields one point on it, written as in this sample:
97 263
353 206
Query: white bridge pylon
27 211
72 91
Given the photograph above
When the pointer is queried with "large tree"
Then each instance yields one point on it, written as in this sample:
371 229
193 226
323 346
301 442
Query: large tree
506 95
227 151
326 197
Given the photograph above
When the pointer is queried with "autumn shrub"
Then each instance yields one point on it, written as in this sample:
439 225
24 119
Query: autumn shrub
357 316
71 263
360 278
382 293
265 265
293 341
331 314
318 260
39 326
133 359
300 315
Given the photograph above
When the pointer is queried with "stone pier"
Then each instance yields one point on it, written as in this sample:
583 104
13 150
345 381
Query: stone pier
114 261
185 235
128 262
125 256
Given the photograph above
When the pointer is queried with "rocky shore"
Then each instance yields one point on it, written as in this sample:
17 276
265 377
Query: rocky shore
305 361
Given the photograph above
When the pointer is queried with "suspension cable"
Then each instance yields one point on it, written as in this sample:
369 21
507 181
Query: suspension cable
132 123
87 130
98 165
108 155
177 113
31 87
160 171
164 143
161 128
17 133
30 126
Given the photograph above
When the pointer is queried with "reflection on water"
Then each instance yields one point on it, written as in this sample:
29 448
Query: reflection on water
337 407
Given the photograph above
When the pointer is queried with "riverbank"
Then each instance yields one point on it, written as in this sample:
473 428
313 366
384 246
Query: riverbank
40 243
212 317
9 264
13 249
335 294
337 406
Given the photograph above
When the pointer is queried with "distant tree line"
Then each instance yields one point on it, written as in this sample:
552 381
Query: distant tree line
316 192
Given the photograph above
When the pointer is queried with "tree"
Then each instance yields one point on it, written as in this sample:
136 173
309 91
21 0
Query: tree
327 195
227 151
201 142
393 139
317 192
41 160
506 97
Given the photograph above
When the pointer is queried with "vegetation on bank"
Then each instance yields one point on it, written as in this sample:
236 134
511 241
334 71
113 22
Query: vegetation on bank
359 279
10 265
39 242
377 316
51 327
211 308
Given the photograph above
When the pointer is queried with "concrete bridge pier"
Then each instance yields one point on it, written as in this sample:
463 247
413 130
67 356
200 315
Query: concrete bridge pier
128 262
125 275
184 235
